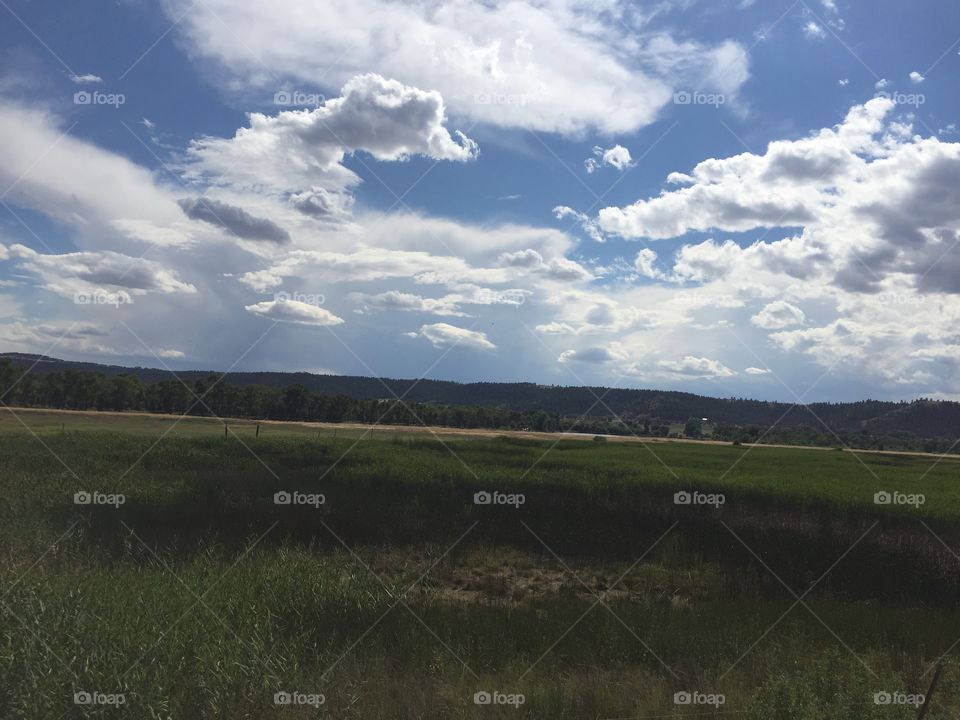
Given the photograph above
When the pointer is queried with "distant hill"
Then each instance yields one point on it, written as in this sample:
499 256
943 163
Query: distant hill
925 418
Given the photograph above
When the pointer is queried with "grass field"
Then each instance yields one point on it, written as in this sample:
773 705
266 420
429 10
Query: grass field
397 596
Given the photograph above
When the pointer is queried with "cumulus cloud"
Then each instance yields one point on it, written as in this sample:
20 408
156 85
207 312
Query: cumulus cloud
528 259
693 366
69 274
442 335
558 268
645 263
555 328
396 300
555 66
324 205
294 311
593 355
872 199
300 150
617 157
236 221
916 78
449 305
778 315
756 371
366 264
841 221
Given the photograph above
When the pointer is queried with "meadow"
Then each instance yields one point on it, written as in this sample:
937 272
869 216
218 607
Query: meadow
160 571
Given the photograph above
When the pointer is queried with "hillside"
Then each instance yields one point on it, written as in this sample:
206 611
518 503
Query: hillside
925 418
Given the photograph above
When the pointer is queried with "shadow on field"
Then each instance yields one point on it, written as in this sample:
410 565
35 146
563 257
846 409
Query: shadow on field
390 494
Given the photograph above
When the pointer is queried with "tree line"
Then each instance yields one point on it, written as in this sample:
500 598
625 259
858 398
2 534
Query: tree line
214 396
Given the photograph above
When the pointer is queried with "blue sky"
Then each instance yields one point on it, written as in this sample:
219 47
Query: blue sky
734 198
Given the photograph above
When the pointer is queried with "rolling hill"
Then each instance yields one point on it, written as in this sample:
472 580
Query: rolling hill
922 417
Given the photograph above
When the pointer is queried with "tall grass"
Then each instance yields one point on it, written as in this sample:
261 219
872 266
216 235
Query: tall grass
201 598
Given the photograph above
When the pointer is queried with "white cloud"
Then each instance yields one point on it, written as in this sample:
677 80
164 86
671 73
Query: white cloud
442 335
780 188
691 365
617 157
99 194
300 150
588 224
778 315
328 206
294 311
408 302
529 259
169 353
87 79
846 217
872 198
881 84
916 78
645 263
555 328
757 371
69 274
449 305
83 337
593 355
864 222
556 66
814 31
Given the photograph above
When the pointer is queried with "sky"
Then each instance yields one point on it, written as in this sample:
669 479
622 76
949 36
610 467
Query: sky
751 198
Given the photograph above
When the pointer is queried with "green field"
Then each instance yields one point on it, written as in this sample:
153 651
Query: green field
399 597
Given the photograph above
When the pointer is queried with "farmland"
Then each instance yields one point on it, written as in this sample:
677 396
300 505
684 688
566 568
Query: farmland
197 573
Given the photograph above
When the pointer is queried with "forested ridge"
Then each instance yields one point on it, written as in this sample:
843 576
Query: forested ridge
919 425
